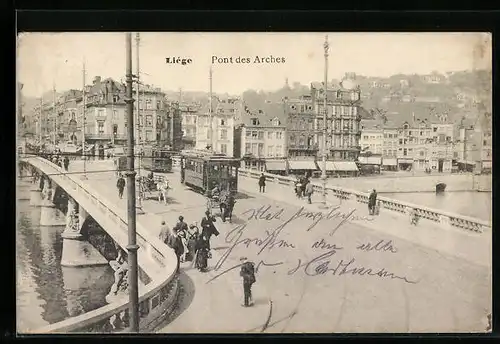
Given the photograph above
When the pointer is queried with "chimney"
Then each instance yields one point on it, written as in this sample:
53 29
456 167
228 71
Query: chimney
97 79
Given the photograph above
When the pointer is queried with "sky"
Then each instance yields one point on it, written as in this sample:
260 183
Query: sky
56 59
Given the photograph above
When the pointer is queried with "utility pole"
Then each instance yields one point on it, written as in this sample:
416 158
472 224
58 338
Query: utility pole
137 40
132 246
40 121
54 111
323 174
139 141
83 125
210 110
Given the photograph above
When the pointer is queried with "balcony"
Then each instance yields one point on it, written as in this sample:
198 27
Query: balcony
104 137
304 147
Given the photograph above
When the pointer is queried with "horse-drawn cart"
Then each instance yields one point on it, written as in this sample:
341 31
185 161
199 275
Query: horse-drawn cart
153 187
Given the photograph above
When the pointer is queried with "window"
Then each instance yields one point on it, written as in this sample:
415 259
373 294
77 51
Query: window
208 134
255 121
485 143
434 129
261 135
149 121
100 126
276 122
270 135
279 135
222 122
100 113
279 150
254 134
115 99
223 148
248 147
409 133
405 151
223 134
149 135
400 141
254 149
148 104
261 149
270 151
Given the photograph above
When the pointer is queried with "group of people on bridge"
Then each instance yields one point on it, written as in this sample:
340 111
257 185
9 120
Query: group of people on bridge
189 243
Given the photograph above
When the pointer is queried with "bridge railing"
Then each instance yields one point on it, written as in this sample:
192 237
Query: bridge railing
156 299
436 216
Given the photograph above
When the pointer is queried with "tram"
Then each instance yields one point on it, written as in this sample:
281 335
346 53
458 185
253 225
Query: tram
203 170
157 159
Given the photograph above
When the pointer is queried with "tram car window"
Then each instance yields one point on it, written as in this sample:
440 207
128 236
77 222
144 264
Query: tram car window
202 171
157 159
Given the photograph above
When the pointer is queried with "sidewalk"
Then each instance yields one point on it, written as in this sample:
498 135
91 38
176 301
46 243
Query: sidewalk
223 296
471 246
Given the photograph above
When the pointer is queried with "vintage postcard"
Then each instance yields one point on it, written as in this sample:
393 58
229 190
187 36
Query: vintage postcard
254 182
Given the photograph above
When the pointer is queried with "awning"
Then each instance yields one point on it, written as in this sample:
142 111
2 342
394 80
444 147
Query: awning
370 160
340 166
390 162
466 162
302 165
405 161
486 164
278 165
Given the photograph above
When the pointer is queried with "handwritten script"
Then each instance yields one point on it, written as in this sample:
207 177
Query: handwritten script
325 263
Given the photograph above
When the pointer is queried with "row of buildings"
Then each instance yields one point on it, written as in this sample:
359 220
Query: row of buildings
279 137
61 117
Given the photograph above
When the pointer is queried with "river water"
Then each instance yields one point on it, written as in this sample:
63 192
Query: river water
469 203
46 292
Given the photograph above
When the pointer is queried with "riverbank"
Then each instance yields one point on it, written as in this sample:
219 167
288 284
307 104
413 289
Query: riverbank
405 182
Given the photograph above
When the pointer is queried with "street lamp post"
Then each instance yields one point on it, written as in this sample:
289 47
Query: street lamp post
132 247
323 173
84 103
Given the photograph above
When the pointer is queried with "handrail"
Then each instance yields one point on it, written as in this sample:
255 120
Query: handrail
440 216
161 291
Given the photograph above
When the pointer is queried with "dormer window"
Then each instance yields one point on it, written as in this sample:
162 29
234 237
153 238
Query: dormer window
255 121
261 112
406 126
115 99
276 122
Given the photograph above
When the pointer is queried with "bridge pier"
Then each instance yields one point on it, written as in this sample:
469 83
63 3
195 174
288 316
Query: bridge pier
35 196
78 252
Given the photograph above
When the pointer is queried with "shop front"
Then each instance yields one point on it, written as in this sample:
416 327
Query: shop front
301 167
339 169
389 164
276 167
369 164
405 164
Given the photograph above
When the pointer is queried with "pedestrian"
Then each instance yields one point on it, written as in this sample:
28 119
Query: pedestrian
248 273
262 183
120 184
372 201
165 233
176 244
202 249
309 191
66 163
181 226
192 238
208 227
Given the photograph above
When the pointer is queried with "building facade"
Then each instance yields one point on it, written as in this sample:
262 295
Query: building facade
189 115
216 130
263 138
300 141
343 120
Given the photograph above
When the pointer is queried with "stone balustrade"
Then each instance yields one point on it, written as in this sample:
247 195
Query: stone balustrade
159 292
437 216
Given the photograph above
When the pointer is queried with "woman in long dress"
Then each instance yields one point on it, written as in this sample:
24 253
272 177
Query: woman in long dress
192 237
202 252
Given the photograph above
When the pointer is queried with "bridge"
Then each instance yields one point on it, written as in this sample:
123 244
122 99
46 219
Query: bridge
332 269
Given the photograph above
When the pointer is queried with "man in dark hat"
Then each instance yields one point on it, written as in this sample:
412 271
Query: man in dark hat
248 274
181 226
